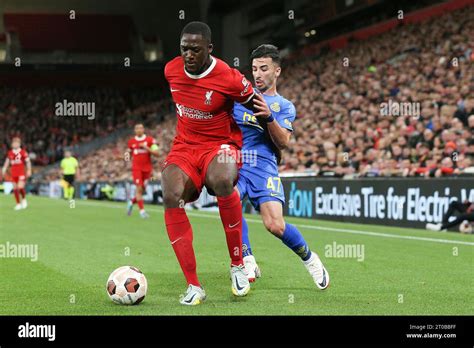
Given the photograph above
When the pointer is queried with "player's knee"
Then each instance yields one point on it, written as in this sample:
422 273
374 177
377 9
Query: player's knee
221 185
171 198
275 226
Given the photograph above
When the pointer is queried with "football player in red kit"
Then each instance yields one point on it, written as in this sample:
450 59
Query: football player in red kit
18 158
204 151
141 147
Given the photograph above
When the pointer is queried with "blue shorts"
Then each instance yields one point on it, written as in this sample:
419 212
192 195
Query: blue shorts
260 186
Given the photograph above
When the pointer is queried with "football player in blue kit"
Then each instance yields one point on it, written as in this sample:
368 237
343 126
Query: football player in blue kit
263 140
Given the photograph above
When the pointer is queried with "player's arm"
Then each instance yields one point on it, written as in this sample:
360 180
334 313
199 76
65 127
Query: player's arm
153 149
78 171
28 167
279 135
5 166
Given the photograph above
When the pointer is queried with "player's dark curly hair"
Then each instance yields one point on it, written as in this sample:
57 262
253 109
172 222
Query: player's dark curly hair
197 28
266 51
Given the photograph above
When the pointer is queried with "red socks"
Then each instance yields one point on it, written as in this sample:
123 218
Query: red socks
231 217
139 203
17 195
22 192
180 234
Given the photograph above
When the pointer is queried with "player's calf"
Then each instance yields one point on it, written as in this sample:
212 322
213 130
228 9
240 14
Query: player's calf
275 226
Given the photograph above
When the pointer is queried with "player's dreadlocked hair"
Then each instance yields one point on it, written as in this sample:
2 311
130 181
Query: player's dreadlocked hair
266 51
198 28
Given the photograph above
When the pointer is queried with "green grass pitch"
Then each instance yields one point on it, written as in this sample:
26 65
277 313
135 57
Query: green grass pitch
79 247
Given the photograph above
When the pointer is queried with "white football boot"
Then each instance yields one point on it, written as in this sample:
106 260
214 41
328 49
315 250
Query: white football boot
316 268
240 282
194 296
24 204
18 207
434 227
253 271
144 214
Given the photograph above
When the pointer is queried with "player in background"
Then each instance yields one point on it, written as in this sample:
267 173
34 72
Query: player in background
17 158
204 151
69 170
141 147
258 178
465 211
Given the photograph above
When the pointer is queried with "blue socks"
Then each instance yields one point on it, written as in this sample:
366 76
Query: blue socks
293 239
246 248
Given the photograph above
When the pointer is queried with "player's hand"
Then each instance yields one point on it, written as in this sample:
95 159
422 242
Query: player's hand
28 173
262 107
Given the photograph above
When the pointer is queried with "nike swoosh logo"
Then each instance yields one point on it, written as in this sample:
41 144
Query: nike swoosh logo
191 299
232 226
274 194
323 284
237 284
175 240
174 90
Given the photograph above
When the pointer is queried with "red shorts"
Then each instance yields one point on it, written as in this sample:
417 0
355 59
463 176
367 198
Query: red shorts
140 177
17 178
194 160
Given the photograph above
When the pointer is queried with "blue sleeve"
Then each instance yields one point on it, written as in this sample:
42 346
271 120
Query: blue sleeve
286 116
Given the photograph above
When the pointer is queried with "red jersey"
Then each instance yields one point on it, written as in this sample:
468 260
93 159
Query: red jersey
204 102
17 161
141 158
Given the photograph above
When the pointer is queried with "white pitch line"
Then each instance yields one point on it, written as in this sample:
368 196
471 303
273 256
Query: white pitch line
331 229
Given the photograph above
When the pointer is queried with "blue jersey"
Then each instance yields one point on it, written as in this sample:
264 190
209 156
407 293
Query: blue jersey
258 177
254 140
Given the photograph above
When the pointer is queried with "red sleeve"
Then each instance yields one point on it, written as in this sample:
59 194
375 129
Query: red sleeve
169 68
24 154
151 141
240 89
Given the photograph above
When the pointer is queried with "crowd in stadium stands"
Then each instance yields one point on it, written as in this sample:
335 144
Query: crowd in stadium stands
340 128
30 113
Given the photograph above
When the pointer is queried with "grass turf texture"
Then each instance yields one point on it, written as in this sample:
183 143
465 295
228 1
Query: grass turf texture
79 247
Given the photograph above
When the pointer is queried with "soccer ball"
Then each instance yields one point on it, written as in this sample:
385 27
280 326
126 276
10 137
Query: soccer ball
465 227
127 285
